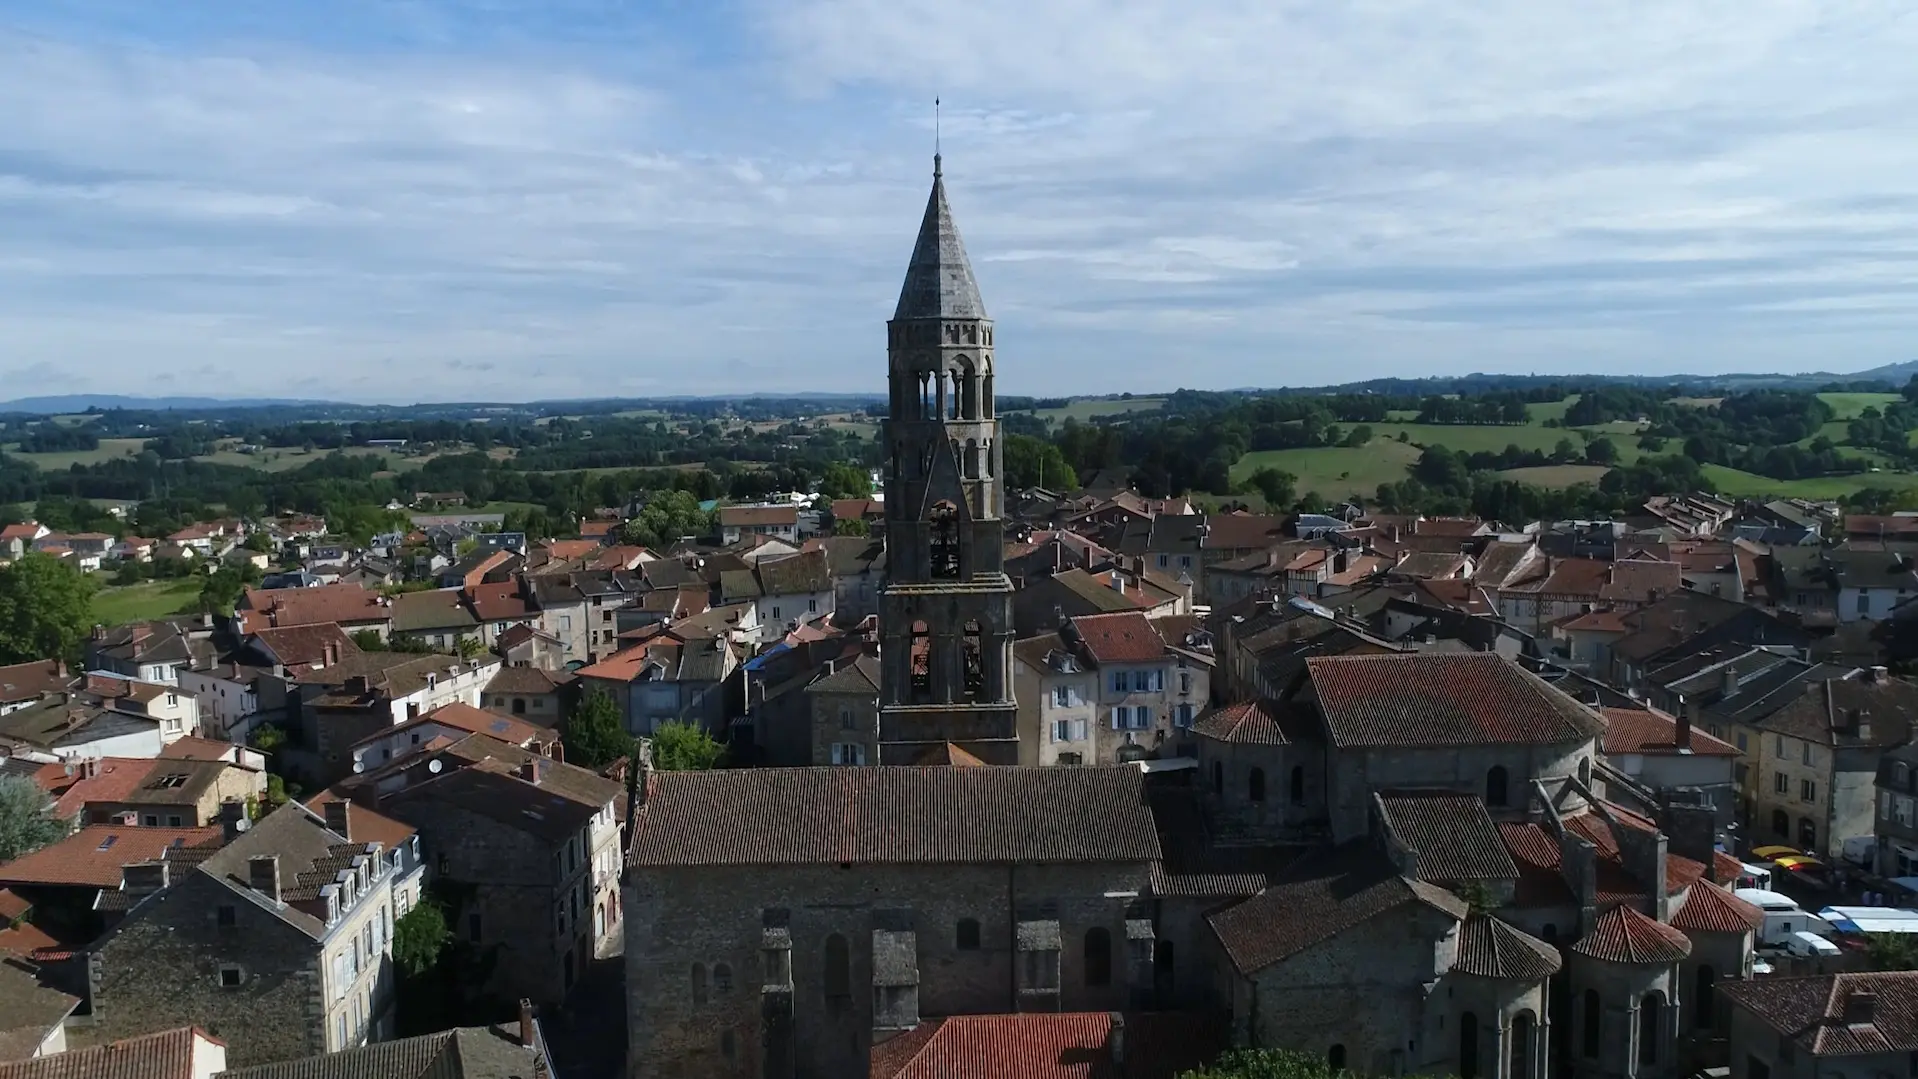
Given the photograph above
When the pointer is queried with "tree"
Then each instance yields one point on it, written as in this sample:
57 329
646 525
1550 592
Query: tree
1359 436
368 640
26 819
1035 462
1278 487
667 516
1266 1064
683 747
1565 452
1892 951
223 586
842 480
419 936
46 609
1600 451
855 526
594 736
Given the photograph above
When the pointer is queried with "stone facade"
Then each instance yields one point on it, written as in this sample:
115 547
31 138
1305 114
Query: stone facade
845 714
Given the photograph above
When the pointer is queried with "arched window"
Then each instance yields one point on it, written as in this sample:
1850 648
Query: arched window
1585 771
1098 957
1495 781
944 548
1594 1016
838 972
1780 823
1524 1046
1218 778
1651 1013
698 975
1468 1046
968 935
1298 785
1335 1058
1702 985
1255 785
1807 833
1900 774
722 979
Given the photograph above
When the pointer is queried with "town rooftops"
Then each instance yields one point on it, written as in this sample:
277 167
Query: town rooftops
1836 1014
527 680
1124 637
364 825
1266 722
465 717
1648 731
896 816
748 516
310 856
1712 909
92 856
29 1011
1867 708
345 604
437 609
1489 948
1430 699
310 645
170 1054
1074 1045
501 794
28 681
1623 935
462 1053
794 574
1451 835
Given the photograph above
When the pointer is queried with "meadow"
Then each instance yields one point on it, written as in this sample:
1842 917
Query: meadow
147 600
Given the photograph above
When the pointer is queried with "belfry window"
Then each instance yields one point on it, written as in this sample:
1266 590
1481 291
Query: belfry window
943 551
974 660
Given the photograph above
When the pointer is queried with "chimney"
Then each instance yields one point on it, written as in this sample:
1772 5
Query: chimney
232 818
330 655
1861 1008
99 632
140 879
556 750
1116 1044
1858 721
90 768
1728 683
536 747
529 771
1879 674
1118 582
1683 738
339 818
526 1023
263 875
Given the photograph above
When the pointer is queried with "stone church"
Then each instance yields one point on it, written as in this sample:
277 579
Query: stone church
1408 864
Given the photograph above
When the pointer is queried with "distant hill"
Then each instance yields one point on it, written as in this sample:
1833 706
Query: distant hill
65 404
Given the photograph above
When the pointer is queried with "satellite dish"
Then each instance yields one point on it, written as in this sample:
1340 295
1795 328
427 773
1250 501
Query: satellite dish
434 766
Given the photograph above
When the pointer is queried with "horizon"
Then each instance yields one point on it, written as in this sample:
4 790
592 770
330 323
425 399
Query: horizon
465 202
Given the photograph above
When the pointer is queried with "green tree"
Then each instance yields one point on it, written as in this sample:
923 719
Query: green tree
683 747
667 516
1266 1064
1358 436
1279 488
594 736
1892 951
1565 452
368 640
842 480
259 542
223 586
857 526
26 820
419 936
46 609
1035 462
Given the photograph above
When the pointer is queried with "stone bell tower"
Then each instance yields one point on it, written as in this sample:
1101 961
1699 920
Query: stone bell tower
945 620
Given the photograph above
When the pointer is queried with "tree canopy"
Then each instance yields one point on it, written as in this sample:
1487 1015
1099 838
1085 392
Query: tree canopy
594 736
26 819
667 516
46 609
683 747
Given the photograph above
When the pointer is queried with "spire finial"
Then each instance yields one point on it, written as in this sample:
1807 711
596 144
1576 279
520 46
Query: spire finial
935 139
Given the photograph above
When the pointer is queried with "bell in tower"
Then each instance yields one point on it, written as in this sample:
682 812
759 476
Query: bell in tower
946 609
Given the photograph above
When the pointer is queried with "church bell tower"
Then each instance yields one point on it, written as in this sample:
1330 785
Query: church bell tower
945 619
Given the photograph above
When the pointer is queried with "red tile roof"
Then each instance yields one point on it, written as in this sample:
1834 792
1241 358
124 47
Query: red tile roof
295 645
501 602
598 529
12 907
1623 935
1641 730
891 815
758 515
201 749
567 550
1324 896
473 720
1264 722
24 531
1125 637
1599 622
279 608
166 1055
92 856
1711 909
949 755
1434 699
1158 1045
363 825
115 780
1489 948
1813 1012
1451 834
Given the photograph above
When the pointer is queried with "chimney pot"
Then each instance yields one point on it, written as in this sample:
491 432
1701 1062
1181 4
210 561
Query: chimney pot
263 875
526 1023
529 771
1117 1043
339 819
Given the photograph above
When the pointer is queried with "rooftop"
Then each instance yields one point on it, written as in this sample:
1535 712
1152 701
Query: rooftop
1073 1045
92 856
166 1055
1836 1014
462 1053
1429 699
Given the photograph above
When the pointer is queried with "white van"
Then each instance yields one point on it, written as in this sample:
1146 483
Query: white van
1807 944
1783 917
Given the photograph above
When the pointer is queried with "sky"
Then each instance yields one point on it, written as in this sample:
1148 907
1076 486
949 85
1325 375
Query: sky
417 200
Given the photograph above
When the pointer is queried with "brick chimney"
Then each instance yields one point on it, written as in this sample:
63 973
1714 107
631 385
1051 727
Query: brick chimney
1683 738
263 875
339 818
526 1029
232 818
529 771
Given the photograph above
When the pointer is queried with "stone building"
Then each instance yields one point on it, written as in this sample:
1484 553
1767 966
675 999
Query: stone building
781 921
1110 688
1826 1025
279 943
945 612
845 712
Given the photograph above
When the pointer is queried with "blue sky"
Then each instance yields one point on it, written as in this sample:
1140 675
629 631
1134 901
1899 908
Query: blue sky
514 199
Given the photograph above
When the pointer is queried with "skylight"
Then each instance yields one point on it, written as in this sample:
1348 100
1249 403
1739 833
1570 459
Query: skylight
108 842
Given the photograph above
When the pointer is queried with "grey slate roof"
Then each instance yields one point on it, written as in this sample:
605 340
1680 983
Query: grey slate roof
939 281
1452 835
461 1053
311 856
28 1010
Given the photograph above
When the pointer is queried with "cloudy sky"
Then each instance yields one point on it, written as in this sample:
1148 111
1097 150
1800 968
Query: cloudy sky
516 199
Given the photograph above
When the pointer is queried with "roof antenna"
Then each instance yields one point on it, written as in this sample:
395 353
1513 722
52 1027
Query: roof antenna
935 138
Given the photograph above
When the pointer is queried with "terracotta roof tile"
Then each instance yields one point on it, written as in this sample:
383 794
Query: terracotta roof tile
1452 835
1643 730
364 825
1812 1011
1623 935
1489 948
280 608
882 815
1711 909
1432 699
166 1055
92 856
1038 1046
948 755
114 780
1263 722
1125 637
758 515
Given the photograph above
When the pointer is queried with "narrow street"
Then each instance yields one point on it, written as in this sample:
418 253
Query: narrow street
587 1040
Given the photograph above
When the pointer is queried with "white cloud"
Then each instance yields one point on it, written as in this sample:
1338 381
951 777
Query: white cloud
524 200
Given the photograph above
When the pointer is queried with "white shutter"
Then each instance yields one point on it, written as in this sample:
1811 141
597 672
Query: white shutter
1078 730
1118 718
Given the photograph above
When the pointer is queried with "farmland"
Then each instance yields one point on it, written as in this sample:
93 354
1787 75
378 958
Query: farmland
110 448
147 600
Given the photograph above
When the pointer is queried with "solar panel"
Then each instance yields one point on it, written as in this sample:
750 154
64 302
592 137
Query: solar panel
499 725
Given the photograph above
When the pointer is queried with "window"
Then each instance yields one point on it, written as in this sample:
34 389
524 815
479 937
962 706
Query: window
231 977
722 979
1901 809
1780 823
1164 561
1864 602
1524 1045
519 706
1119 681
1780 746
1468 1046
848 753
812 606
1495 782
473 926
1807 833
173 820
1743 742
1806 753
226 917
1183 715
838 969
152 821
1098 955
1335 1058
1062 696
967 935
1255 785
1594 1017
1808 791
1185 682
1069 730
1702 984
944 546
1297 785
845 717
775 614
1780 783
1651 1009
339 1030
697 979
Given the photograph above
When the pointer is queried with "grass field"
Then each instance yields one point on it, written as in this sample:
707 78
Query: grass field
110 448
1087 408
1540 411
1848 406
1472 438
1335 472
1731 481
139 602
1556 475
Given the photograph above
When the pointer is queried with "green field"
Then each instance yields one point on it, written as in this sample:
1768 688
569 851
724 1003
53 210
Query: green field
1335 472
1848 406
1540 411
1088 408
1556 475
110 448
1731 481
140 602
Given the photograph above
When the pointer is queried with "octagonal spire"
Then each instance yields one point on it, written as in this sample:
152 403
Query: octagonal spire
939 281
